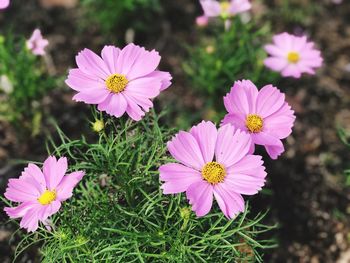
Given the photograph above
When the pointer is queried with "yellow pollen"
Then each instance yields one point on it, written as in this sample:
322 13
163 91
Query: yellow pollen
214 172
116 83
225 6
254 123
98 126
47 197
293 57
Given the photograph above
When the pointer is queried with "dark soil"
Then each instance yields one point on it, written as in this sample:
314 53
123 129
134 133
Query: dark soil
309 199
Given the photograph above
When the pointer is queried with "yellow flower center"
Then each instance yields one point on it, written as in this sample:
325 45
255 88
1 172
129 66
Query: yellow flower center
254 123
293 57
214 172
47 197
116 83
225 9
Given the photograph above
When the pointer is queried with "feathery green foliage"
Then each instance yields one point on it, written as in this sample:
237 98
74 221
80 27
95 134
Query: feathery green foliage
119 214
226 56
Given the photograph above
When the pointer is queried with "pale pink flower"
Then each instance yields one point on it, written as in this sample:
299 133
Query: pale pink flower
264 115
202 21
213 163
40 193
292 55
225 9
4 4
37 43
121 81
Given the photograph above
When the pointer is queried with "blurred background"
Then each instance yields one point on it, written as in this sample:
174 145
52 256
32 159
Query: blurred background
308 190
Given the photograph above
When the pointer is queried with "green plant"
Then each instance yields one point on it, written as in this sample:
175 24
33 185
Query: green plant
114 15
345 137
226 56
119 214
23 83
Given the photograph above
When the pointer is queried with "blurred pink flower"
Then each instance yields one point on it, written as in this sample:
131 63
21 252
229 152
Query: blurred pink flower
292 55
37 43
121 81
337 2
4 4
213 162
225 9
40 193
202 21
263 114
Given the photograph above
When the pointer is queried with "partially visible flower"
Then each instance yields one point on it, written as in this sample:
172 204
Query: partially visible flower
40 193
4 4
292 55
6 84
121 81
337 2
264 115
225 9
37 43
98 126
202 21
213 163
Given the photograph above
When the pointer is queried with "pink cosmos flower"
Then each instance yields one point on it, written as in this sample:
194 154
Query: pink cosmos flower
121 81
292 55
202 21
37 43
264 115
225 9
40 193
213 163
4 4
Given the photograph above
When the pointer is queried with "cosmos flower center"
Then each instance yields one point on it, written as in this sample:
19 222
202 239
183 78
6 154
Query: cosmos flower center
47 197
116 83
254 123
293 57
214 172
225 7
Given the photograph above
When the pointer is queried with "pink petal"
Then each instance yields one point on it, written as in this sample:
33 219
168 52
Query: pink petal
148 87
211 8
4 4
247 176
115 105
236 120
270 100
276 63
275 51
242 98
65 189
165 78
280 123
230 203
275 146
30 220
92 64
21 210
206 134
92 96
20 190
80 81
231 146
127 57
48 210
146 63
292 70
184 148
200 196
133 110
54 171
110 56
239 6
177 177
